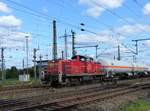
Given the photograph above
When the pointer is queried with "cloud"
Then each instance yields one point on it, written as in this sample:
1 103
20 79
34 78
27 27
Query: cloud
96 7
10 21
114 38
146 9
102 37
147 43
45 10
132 29
14 39
10 34
94 12
4 8
9 29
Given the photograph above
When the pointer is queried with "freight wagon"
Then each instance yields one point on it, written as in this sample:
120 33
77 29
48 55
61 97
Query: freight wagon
123 69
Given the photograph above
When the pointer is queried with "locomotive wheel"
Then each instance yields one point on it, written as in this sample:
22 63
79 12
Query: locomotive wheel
68 82
44 82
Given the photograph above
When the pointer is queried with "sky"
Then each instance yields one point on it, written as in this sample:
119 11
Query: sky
107 23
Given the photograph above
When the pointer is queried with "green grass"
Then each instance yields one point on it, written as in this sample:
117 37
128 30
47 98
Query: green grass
10 82
139 105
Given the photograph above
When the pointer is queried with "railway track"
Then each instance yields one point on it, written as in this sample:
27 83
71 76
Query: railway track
23 88
19 92
19 87
7 103
38 99
35 99
75 100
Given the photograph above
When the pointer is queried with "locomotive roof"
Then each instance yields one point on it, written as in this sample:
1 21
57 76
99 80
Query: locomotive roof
42 61
80 56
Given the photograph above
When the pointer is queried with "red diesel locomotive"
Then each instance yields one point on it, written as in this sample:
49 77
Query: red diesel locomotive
76 70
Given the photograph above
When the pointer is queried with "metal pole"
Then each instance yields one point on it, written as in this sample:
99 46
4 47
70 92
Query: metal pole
62 54
136 45
73 43
46 56
134 58
66 47
27 52
54 41
2 64
40 69
96 50
119 58
114 57
23 67
34 57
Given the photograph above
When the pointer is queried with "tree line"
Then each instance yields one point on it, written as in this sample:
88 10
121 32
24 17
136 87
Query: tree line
13 72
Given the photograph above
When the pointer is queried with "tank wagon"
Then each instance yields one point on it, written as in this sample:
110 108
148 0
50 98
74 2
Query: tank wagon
123 69
82 68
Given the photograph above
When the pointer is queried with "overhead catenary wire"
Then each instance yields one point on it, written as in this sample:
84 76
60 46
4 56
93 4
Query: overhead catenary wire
131 11
66 23
138 3
115 14
111 12
32 11
45 16
40 14
140 6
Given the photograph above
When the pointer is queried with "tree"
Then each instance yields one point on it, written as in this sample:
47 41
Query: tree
12 72
31 71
